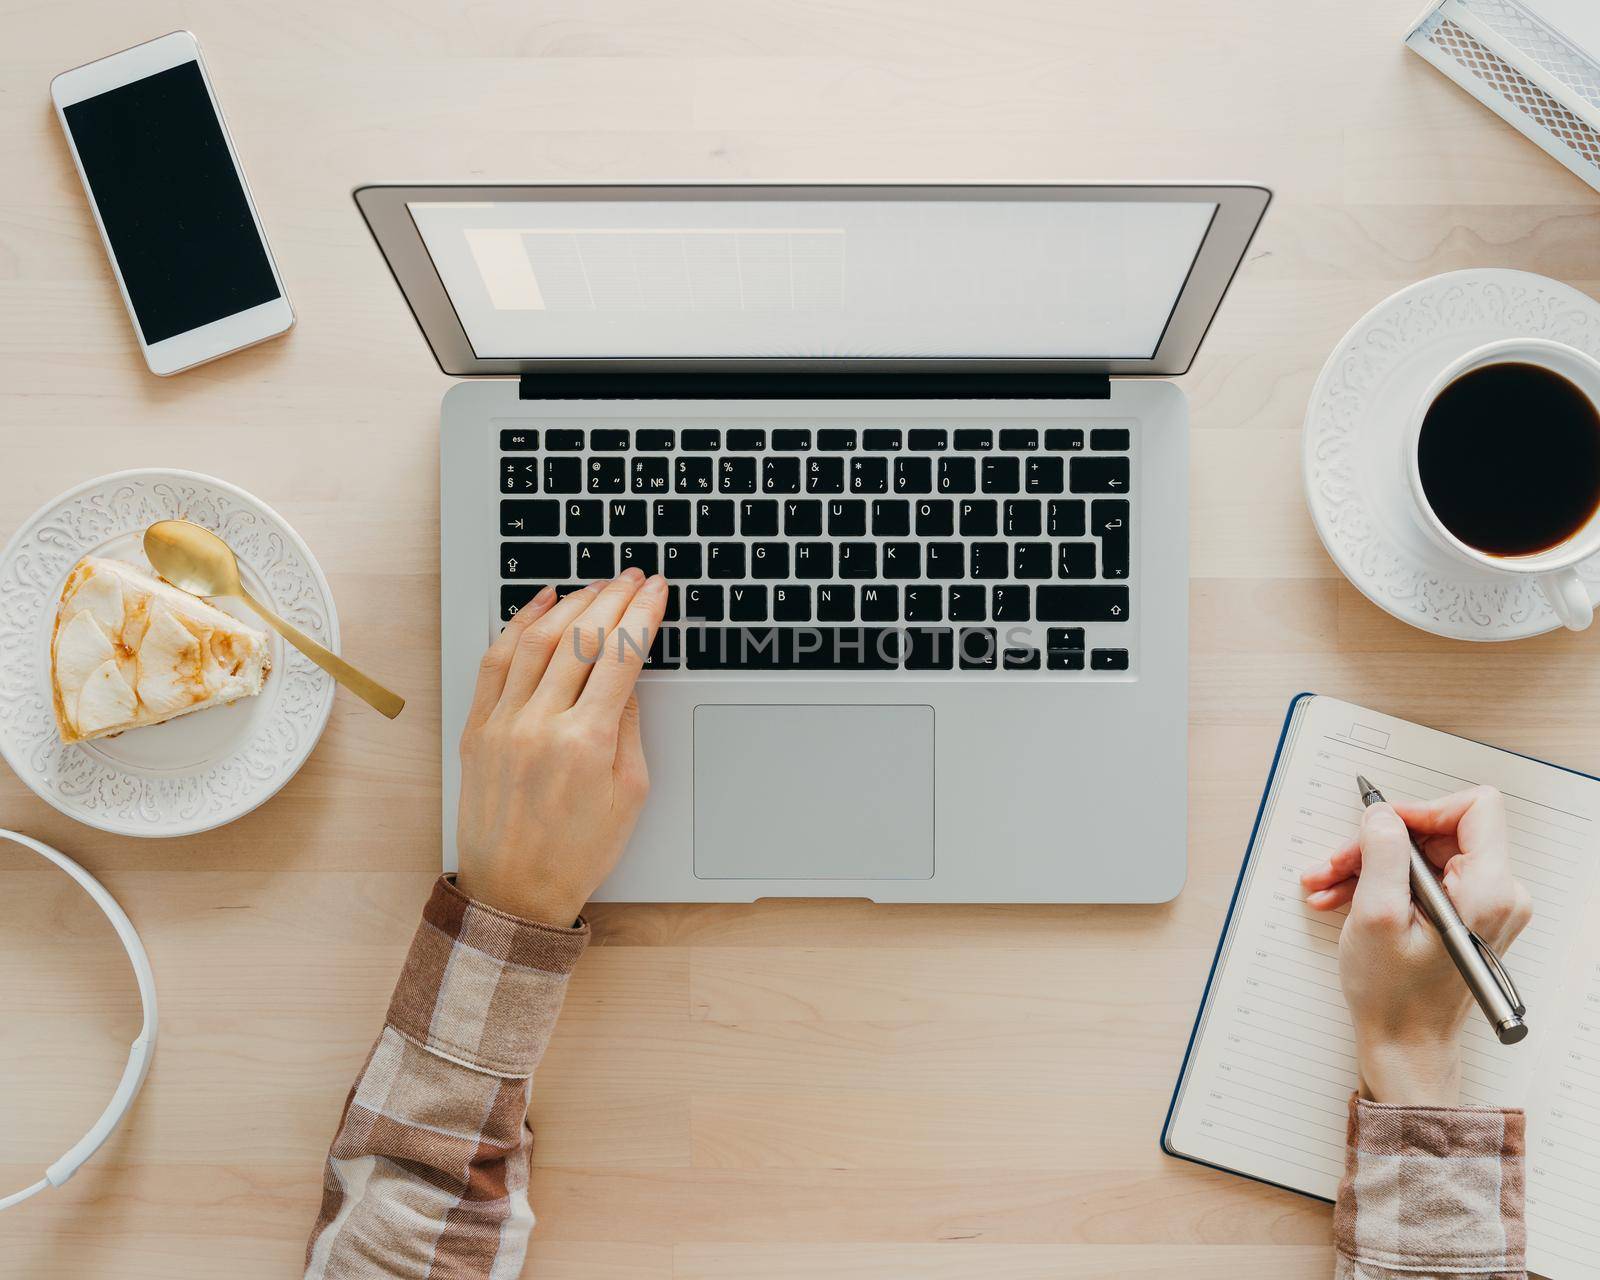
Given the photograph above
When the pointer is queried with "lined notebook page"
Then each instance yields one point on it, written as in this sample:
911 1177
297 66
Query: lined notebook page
1273 1064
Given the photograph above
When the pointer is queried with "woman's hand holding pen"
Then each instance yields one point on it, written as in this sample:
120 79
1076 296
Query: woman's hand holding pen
1406 999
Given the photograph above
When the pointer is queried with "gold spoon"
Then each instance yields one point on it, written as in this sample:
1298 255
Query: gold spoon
195 560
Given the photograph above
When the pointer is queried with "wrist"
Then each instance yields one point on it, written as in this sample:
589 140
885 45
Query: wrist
536 903
1412 1075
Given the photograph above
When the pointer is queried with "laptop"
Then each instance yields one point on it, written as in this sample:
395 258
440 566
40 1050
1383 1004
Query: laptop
905 455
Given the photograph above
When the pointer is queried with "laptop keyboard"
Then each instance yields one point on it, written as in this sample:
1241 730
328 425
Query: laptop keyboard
881 549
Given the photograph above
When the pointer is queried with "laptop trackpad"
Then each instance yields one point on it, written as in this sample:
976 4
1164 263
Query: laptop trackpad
813 793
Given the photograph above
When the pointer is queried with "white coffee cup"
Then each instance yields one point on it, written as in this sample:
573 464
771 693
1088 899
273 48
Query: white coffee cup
1554 569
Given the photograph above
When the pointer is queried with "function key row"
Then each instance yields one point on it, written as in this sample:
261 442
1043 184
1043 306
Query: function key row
803 440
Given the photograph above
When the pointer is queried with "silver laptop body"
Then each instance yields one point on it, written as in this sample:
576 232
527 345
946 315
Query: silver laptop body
925 519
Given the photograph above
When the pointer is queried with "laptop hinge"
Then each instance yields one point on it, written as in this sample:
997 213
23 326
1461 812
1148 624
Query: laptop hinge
629 384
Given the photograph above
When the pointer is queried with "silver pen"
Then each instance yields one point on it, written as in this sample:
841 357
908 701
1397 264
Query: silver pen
1480 968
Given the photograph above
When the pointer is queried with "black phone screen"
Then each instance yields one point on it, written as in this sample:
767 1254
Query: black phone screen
173 205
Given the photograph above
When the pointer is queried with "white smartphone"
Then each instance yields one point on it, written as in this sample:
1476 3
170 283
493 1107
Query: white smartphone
172 203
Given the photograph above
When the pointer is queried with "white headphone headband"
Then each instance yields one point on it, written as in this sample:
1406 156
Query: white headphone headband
139 1054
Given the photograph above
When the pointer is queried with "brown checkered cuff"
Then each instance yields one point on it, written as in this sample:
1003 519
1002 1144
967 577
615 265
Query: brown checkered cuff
1431 1190
482 987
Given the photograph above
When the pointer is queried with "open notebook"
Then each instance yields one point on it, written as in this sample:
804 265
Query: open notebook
1271 1066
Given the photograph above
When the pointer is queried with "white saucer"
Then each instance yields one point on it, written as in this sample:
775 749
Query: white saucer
1355 466
198 771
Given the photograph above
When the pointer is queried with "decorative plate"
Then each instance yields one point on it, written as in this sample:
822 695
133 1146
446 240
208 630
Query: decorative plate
200 770
1355 440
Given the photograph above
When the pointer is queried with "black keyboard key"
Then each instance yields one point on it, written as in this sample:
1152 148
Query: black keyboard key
813 560
1020 659
924 603
1064 659
713 518
791 603
702 440
1110 439
519 475
1000 475
681 560
791 440
1077 560
563 475
769 560
1022 518
1032 560
703 602
1066 518
1108 660
666 650
936 518
608 440
1063 439
693 474
858 560
977 439
596 560
1010 604
991 560
514 596
651 475
881 440
674 609
671 516
946 560
980 518
891 518
913 474
1020 439
802 518
1044 475
825 475
608 475
902 560
880 604
586 518
1100 475
930 649
869 475
1081 604
629 517
792 649
836 440
978 649
928 439
780 475
541 561
1064 638
847 518
746 440
736 475
725 560
655 440
836 603
758 518
530 517
747 603
563 441
518 440
958 475
1110 524
643 556
967 604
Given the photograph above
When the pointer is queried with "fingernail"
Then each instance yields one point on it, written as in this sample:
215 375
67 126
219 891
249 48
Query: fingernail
633 574
545 596
656 586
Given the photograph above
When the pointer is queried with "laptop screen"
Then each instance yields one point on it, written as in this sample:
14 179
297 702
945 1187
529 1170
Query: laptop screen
774 278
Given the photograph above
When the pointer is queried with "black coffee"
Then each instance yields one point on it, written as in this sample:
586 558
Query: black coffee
1509 458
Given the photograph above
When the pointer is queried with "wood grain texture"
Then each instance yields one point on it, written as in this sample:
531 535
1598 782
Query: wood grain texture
762 1092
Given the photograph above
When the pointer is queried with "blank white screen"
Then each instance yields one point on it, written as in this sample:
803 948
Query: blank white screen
813 278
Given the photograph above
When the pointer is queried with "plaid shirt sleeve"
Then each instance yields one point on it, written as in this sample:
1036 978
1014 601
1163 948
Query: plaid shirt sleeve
428 1173
1431 1192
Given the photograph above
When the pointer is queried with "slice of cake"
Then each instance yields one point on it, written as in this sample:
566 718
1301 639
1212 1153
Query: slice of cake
130 650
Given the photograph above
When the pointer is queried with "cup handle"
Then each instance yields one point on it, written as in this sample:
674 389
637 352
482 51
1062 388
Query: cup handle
1568 596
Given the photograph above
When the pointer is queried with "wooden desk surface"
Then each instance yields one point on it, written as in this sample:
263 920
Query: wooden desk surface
782 1090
